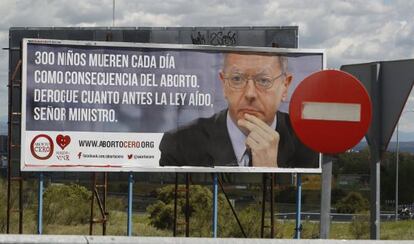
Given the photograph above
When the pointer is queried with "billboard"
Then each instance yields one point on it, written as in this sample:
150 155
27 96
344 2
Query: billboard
107 106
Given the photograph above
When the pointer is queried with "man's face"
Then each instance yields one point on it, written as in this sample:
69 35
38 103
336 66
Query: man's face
260 102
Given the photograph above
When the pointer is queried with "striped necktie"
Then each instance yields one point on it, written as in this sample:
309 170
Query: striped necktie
248 154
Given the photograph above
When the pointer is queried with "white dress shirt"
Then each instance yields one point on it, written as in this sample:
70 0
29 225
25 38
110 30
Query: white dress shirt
238 140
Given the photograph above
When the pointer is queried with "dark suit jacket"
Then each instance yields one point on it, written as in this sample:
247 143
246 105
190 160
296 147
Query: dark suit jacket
206 142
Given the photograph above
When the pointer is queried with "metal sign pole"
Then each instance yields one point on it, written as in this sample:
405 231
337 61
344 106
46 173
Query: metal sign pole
215 210
130 196
375 192
396 173
298 228
325 220
375 151
40 205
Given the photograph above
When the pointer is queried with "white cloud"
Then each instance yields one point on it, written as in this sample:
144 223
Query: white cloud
148 19
352 31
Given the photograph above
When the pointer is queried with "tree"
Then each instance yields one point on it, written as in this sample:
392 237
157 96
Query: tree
352 163
162 213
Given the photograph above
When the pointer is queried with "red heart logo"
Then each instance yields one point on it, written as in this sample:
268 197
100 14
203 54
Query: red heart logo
129 156
62 141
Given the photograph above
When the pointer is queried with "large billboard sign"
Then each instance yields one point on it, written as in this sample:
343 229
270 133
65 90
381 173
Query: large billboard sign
107 106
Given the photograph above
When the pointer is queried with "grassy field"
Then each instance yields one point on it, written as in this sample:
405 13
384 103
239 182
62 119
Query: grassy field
401 230
66 203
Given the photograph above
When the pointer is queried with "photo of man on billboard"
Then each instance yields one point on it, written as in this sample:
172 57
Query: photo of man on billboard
251 132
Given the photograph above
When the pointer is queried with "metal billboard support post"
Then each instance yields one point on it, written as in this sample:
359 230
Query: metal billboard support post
40 205
215 207
175 205
272 214
91 220
8 193
326 186
14 118
130 196
266 177
264 189
187 204
298 227
231 207
101 200
103 209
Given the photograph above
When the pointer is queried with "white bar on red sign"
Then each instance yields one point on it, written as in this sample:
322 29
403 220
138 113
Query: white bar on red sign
331 111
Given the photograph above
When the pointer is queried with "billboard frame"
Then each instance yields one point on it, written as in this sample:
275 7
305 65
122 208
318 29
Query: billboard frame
193 169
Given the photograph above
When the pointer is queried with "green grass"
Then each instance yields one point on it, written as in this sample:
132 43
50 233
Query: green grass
116 226
401 230
117 222
390 230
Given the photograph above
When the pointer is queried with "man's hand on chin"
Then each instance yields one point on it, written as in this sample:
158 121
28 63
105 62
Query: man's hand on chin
262 140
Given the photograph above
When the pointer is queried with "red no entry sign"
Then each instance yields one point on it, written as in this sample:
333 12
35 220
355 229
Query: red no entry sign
330 111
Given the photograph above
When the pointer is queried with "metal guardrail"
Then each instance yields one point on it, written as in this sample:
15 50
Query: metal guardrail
72 239
335 217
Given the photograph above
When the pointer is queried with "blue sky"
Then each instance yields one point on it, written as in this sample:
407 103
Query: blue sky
351 31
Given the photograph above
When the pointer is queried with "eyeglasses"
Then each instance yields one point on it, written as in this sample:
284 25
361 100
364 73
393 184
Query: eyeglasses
239 81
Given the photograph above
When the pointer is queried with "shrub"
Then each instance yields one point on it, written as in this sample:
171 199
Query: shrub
353 202
66 204
250 219
359 228
161 213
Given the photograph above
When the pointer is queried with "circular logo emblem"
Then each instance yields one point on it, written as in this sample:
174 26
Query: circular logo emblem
42 147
